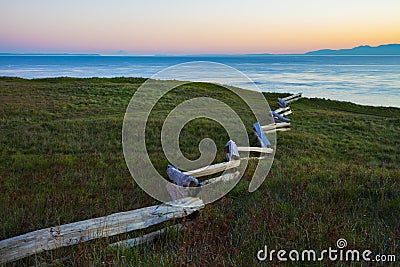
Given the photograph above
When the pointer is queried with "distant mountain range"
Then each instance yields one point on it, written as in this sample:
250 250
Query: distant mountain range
388 49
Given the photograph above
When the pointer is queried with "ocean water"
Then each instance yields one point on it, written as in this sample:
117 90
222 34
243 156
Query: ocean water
368 80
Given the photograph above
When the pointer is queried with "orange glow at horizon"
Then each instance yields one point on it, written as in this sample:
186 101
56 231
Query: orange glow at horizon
182 27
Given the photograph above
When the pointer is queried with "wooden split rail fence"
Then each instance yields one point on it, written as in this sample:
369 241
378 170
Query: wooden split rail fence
31 243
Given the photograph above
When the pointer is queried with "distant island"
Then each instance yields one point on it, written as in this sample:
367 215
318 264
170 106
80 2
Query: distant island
388 49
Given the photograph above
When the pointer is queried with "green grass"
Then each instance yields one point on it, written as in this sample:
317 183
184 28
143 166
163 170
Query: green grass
335 175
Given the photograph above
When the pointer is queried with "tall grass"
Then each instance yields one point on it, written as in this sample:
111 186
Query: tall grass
335 175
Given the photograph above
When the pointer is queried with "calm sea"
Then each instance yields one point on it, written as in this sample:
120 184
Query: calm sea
369 80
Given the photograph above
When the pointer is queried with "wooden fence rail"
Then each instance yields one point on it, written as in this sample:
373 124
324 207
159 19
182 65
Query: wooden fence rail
73 233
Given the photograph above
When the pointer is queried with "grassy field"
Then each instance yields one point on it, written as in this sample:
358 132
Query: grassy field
335 175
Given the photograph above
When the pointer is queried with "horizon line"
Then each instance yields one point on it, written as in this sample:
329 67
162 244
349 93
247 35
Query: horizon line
123 53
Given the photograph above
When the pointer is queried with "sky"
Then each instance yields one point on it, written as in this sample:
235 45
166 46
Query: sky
148 27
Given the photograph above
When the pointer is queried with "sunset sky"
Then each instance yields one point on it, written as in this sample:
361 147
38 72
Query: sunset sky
195 26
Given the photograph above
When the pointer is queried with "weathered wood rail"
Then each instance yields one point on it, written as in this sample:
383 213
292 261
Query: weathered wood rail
283 126
255 149
291 98
280 110
73 233
208 170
